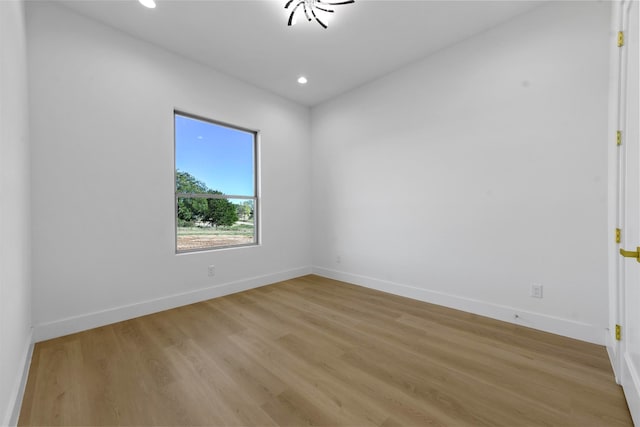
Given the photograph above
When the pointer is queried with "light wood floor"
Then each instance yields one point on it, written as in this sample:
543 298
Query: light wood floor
313 351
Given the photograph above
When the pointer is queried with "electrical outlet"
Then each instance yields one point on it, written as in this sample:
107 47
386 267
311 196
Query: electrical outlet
338 259
536 290
212 270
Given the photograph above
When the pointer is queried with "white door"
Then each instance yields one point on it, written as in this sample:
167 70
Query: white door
628 298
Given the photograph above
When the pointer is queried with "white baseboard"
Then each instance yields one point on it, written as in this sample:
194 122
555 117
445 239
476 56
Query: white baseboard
631 385
17 392
612 348
70 325
555 325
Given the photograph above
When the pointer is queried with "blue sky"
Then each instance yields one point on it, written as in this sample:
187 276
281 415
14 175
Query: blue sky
219 156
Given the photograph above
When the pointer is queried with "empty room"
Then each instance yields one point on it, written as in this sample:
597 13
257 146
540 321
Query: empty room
316 212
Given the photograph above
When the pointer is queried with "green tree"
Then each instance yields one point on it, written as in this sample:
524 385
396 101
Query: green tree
220 212
217 212
244 211
248 208
190 210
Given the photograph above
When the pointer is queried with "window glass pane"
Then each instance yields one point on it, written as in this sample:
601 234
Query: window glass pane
212 223
216 158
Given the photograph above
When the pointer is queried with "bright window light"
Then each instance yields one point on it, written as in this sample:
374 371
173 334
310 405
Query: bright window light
216 185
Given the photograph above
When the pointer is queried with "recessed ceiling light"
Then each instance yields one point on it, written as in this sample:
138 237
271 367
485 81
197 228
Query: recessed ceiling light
151 4
302 80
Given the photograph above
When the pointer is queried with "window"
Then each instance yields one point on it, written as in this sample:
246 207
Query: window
216 198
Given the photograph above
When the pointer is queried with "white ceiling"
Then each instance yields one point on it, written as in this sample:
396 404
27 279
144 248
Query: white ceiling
250 40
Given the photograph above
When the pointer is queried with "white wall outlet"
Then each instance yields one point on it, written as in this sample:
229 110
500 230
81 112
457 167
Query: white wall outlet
338 259
536 290
212 270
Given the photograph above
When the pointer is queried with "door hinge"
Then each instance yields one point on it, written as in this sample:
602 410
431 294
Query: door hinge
618 235
618 332
619 137
620 38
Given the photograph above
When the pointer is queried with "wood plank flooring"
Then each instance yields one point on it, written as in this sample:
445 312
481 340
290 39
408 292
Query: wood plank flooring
313 351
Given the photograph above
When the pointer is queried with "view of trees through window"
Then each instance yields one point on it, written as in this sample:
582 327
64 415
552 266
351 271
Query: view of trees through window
215 185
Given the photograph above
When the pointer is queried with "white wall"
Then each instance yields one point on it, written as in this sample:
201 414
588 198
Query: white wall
476 172
461 180
15 285
103 205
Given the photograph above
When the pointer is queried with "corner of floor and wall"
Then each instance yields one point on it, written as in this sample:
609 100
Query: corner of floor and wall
15 258
454 180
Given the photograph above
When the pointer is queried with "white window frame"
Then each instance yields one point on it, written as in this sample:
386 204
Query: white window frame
255 197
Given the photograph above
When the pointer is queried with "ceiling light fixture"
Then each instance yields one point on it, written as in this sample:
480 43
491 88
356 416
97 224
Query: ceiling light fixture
311 6
302 80
151 4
